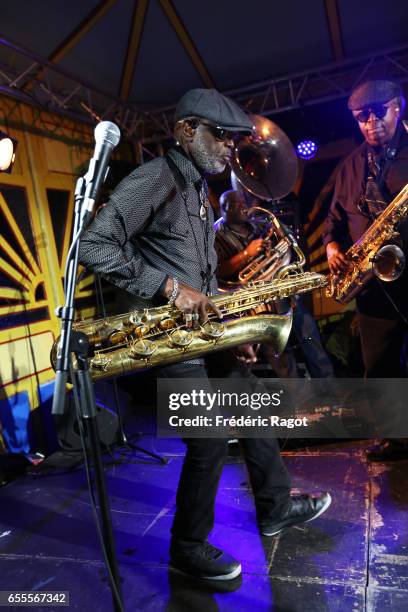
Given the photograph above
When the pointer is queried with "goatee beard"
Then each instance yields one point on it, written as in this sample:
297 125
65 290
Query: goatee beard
207 163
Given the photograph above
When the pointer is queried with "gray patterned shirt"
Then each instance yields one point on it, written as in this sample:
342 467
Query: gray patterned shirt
148 231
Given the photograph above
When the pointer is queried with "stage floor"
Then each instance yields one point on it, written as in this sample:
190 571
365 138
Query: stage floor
353 558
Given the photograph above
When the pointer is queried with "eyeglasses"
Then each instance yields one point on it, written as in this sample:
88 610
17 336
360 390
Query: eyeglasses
219 133
379 110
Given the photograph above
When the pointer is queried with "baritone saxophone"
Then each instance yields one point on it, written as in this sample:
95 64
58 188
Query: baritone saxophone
142 339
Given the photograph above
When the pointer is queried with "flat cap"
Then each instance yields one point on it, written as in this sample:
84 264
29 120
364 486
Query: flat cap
210 104
373 92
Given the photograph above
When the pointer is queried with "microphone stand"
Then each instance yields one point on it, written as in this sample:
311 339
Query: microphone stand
77 343
123 439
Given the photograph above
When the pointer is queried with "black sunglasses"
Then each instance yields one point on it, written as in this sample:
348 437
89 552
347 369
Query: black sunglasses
218 132
379 110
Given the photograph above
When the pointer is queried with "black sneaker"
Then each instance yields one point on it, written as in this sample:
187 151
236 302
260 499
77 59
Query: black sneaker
204 561
301 509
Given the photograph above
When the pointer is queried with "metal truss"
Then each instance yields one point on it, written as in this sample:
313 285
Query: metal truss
324 84
29 78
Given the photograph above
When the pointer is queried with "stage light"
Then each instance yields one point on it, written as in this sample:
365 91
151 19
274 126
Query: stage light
306 149
8 147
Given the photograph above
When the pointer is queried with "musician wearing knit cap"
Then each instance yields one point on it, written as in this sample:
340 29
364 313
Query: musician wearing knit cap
367 181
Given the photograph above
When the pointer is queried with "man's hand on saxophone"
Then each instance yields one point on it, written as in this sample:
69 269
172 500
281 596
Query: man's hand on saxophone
192 303
337 260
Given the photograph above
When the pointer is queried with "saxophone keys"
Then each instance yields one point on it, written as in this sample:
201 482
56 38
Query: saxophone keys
134 318
213 330
100 363
148 316
167 323
142 349
128 325
117 337
181 338
140 331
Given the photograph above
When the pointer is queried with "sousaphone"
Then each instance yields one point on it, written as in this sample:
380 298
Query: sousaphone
265 161
265 164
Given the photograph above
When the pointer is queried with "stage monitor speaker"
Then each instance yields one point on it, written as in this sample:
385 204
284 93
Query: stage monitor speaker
67 426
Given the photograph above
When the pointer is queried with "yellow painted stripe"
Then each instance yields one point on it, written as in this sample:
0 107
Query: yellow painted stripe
30 385
19 236
317 253
85 282
316 235
15 333
11 309
322 267
14 294
24 357
67 236
24 269
16 275
84 294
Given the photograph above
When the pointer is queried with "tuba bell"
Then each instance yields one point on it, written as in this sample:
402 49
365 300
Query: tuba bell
265 161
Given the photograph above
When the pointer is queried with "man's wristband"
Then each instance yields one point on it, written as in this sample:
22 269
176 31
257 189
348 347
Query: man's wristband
174 293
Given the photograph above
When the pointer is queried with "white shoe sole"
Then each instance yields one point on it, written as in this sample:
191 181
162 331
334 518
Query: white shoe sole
234 574
322 509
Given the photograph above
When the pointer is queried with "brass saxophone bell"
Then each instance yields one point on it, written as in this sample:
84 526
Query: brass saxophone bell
388 263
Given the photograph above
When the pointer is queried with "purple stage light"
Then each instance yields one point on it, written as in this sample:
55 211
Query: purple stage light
306 149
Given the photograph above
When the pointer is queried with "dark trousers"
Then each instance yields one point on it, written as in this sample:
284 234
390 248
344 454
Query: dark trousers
305 334
382 341
204 461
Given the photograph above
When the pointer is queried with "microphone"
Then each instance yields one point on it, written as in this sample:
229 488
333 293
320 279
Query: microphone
107 136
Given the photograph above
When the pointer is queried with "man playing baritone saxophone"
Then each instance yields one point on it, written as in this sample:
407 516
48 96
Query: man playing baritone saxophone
155 240
367 181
